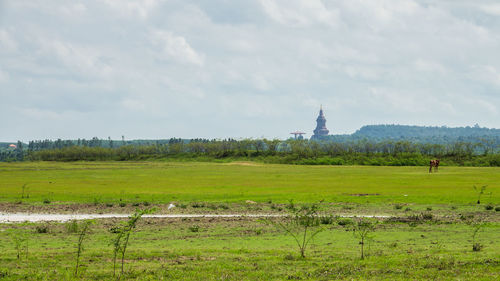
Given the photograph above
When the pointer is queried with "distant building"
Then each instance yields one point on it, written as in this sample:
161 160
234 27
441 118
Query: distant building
12 146
321 130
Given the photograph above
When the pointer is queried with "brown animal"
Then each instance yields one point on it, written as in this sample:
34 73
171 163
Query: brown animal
434 163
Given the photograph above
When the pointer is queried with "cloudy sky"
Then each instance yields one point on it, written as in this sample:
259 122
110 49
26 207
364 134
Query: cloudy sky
244 68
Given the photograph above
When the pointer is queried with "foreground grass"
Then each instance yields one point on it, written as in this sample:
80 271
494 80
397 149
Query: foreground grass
162 182
246 249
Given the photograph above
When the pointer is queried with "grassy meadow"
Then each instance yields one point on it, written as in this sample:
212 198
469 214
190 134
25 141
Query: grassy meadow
162 182
429 234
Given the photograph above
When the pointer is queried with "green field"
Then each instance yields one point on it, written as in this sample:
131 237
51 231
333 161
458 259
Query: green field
407 246
236 182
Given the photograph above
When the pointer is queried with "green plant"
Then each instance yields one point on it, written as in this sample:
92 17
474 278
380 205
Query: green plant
476 228
120 242
398 206
326 219
42 228
21 240
194 228
72 226
79 246
363 229
122 204
489 207
497 209
480 192
345 222
24 188
301 223
429 208
46 201
109 205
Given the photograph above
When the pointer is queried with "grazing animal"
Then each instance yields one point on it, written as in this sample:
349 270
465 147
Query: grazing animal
434 163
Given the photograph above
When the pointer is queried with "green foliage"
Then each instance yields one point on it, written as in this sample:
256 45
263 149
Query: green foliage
194 228
20 239
302 224
123 232
42 228
84 229
480 192
363 230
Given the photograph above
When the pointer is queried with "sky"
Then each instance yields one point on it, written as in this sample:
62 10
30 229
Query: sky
154 69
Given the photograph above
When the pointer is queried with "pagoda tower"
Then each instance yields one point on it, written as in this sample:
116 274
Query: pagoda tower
321 130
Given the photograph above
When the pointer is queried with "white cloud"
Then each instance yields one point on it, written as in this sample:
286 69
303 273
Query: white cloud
492 9
7 43
300 13
133 8
174 47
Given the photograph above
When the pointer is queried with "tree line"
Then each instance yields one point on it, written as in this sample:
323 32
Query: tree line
323 152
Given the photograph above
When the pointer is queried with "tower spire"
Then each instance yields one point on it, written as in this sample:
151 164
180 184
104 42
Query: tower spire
321 130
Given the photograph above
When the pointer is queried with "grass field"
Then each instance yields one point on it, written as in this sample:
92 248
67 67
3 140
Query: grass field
436 248
160 182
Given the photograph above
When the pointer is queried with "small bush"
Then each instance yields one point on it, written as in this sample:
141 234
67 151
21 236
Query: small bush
429 209
497 209
489 207
146 203
345 222
46 201
477 247
223 206
183 206
42 229
198 205
326 220
212 207
454 207
407 209
136 204
398 207
109 205
194 228
258 231
122 204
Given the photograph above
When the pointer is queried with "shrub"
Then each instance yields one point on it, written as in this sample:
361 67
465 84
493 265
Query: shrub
223 206
489 207
194 228
407 209
183 206
122 204
136 204
109 205
197 205
42 229
398 206
146 203
497 209
429 209
326 219
72 226
46 201
345 222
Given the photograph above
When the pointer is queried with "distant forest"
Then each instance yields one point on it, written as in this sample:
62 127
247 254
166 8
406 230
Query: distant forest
371 145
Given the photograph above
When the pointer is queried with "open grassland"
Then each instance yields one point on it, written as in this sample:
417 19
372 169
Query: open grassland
247 249
429 234
163 182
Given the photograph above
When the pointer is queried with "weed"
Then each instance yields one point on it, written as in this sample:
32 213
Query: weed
20 240
109 205
42 229
122 204
407 209
197 205
345 222
258 231
489 207
79 246
223 206
212 207
363 229
429 208
194 228
302 224
480 192
182 206
454 207
46 201
326 219
136 204
24 188
97 201
72 226
146 203
497 209
120 242
398 206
